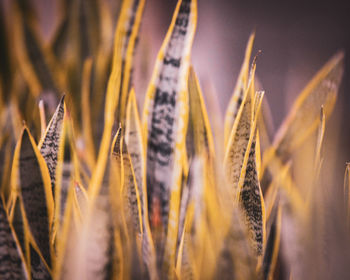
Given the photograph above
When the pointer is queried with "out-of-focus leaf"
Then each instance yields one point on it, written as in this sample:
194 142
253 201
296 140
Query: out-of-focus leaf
347 192
42 118
272 245
198 119
6 67
236 259
95 246
86 114
238 92
36 64
129 186
111 103
320 136
134 142
38 270
303 118
133 21
12 263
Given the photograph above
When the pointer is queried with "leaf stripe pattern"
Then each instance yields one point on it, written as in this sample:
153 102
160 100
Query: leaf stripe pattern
11 263
130 188
239 138
252 202
134 142
49 144
135 11
34 188
238 92
38 270
133 139
166 107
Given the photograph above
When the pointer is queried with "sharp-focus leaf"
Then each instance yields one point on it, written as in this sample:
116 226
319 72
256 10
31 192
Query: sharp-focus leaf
49 144
165 122
239 140
252 202
35 193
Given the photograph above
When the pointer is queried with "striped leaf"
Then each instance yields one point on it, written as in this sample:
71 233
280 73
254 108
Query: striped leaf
239 90
240 139
35 193
12 264
133 18
165 121
252 202
50 142
129 185
135 146
134 143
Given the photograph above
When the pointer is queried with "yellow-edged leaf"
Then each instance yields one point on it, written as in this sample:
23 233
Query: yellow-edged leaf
238 92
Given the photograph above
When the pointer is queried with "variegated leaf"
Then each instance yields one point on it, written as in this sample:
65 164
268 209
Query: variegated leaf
238 92
240 138
35 193
49 144
165 122
12 264
132 21
129 184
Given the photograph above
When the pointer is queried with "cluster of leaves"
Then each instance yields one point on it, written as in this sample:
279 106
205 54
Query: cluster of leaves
152 199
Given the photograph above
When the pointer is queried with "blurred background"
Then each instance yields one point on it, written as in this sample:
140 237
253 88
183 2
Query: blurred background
296 39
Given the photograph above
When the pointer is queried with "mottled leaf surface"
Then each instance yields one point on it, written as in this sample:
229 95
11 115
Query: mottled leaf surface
11 263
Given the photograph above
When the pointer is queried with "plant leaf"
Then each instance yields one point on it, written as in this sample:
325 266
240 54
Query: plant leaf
165 121
198 120
135 11
50 142
303 118
238 92
12 264
35 193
